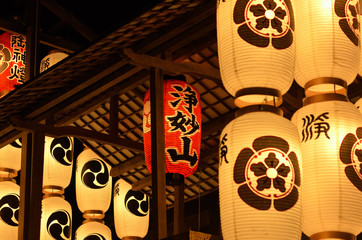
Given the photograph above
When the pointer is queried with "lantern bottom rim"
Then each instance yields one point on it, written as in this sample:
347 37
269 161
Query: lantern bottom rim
258 95
333 234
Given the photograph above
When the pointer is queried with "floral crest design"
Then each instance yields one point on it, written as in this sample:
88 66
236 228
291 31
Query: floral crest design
265 22
268 174
348 11
350 153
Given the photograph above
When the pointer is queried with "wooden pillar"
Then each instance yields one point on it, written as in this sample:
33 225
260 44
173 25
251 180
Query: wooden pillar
179 208
159 221
31 182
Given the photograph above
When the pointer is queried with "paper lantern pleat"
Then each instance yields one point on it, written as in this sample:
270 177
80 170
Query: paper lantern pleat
331 143
259 178
10 160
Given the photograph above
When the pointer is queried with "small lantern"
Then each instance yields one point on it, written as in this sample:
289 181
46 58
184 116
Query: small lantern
9 209
52 58
182 114
327 44
331 143
260 178
56 218
12 61
58 164
93 230
131 211
256 43
93 185
10 159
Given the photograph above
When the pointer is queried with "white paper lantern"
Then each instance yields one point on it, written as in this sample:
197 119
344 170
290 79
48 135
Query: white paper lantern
358 104
331 143
56 219
10 159
51 59
327 43
93 230
93 184
131 211
9 210
256 48
259 178
58 164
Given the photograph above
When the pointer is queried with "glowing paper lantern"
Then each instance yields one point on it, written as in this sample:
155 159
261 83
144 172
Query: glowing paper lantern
327 44
9 209
12 61
10 159
131 211
51 59
331 143
93 185
256 49
358 104
182 113
58 164
93 230
260 178
56 219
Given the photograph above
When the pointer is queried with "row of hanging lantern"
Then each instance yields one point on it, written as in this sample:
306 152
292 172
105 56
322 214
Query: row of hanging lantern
260 176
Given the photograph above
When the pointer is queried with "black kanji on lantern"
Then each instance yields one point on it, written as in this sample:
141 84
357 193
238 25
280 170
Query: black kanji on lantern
188 96
313 126
181 122
223 149
185 154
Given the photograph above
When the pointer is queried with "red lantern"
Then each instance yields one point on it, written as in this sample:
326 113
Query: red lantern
12 60
182 114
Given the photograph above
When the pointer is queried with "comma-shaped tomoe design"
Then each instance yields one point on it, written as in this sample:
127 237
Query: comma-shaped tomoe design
59 225
348 11
350 154
9 209
268 174
95 236
264 22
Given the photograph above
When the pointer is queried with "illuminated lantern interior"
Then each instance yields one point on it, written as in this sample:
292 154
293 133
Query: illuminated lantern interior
10 161
93 230
52 58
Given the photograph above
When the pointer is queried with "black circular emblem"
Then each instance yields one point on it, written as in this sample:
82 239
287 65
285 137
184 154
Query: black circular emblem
5 57
94 236
265 22
268 173
348 11
95 174
136 203
59 225
350 154
9 209
17 143
61 150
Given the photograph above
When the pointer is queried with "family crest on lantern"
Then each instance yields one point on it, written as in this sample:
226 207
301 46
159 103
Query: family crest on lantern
268 173
264 22
348 11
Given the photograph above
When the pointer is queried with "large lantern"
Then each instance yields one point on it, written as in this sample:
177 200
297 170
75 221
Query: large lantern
260 178
56 218
10 159
256 49
52 58
182 114
93 230
9 209
131 211
12 61
58 164
327 46
93 185
331 143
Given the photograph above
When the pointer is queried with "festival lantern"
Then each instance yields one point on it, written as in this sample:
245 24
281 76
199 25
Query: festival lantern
12 61
56 218
327 45
358 104
331 142
10 161
131 212
260 178
52 58
58 164
93 185
9 209
256 43
93 230
182 114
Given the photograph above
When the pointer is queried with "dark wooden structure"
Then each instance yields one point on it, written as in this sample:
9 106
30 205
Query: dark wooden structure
96 95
